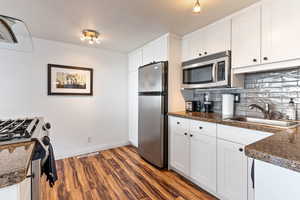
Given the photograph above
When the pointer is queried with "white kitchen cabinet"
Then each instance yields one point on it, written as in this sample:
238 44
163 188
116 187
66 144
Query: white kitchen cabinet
203 151
193 150
246 38
133 107
217 37
209 40
232 171
204 160
135 60
275 183
280 30
192 46
148 53
156 51
185 49
179 144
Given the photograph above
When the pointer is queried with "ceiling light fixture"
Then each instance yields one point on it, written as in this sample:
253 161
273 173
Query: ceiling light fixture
91 36
197 7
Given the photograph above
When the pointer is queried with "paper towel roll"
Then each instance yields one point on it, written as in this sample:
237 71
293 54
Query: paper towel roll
227 106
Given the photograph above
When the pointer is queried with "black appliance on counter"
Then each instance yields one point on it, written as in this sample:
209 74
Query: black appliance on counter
208 106
14 131
193 106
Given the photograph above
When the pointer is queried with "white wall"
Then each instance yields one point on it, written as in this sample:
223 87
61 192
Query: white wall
23 87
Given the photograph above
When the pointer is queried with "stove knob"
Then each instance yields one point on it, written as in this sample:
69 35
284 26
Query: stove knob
47 126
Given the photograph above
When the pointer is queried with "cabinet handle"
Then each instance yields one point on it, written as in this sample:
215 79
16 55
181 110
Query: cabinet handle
200 54
252 174
191 135
185 133
241 149
178 122
200 127
265 58
254 60
205 53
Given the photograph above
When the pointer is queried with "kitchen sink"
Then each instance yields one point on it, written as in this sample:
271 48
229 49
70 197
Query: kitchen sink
279 123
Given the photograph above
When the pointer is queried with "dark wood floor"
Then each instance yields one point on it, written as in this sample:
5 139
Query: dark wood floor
118 174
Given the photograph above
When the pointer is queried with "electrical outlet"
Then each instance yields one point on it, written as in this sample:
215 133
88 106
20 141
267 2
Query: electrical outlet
89 139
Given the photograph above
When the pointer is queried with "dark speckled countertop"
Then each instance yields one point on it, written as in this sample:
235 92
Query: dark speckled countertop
14 162
281 149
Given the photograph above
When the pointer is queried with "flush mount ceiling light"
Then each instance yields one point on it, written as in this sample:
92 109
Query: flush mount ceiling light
197 7
91 36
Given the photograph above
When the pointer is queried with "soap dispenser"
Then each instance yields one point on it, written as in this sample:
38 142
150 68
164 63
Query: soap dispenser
291 110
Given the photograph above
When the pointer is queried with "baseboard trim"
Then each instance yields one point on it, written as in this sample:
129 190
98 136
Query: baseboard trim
133 143
91 150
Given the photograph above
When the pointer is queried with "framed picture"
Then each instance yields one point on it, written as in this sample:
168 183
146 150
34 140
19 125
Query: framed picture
68 80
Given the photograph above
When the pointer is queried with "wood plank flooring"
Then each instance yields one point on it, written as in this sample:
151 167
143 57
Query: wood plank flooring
118 174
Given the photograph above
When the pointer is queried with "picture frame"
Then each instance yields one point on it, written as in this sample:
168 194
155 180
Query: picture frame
70 80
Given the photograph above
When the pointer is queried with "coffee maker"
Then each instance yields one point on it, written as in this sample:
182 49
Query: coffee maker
207 104
193 106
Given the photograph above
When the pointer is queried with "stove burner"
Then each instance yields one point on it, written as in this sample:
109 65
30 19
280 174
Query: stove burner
12 129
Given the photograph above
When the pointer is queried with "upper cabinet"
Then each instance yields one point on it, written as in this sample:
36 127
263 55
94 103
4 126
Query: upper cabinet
280 30
135 60
266 36
212 39
156 50
217 37
246 38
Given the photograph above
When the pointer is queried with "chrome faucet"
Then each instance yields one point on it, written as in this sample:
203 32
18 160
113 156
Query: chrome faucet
266 111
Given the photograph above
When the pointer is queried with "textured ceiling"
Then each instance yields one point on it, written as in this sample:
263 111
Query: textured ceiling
125 24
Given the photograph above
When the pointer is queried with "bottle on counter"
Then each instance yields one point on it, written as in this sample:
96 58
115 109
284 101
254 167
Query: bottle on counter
291 110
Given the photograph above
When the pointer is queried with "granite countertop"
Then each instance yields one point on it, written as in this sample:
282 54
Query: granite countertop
281 149
14 162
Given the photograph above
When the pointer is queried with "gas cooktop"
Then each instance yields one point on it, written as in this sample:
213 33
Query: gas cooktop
21 130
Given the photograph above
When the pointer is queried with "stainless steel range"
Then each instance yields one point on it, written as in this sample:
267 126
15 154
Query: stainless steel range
25 130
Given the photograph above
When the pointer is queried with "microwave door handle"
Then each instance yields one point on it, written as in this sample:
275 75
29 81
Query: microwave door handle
214 73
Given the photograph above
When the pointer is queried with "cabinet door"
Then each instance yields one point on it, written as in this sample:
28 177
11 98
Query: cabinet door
160 49
204 160
232 171
280 30
133 107
217 37
195 41
185 49
246 38
179 144
135 60
148 56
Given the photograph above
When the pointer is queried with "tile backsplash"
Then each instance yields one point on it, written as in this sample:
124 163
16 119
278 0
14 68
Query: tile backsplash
275 87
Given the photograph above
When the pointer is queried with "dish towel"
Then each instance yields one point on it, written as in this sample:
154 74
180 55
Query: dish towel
49 168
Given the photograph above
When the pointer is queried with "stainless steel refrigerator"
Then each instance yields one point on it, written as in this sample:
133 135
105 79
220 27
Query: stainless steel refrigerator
153 109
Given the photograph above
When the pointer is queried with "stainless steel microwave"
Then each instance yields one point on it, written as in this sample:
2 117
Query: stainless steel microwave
207 72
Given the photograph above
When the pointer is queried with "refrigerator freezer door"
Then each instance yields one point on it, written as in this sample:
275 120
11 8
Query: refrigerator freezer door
151 78
151 129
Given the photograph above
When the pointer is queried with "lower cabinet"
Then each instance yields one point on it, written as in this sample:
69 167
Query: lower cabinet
232 171
193 153
204 161
212 156
180 151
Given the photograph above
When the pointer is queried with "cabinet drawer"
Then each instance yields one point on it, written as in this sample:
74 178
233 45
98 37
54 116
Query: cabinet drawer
179 124
205 128
240 135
